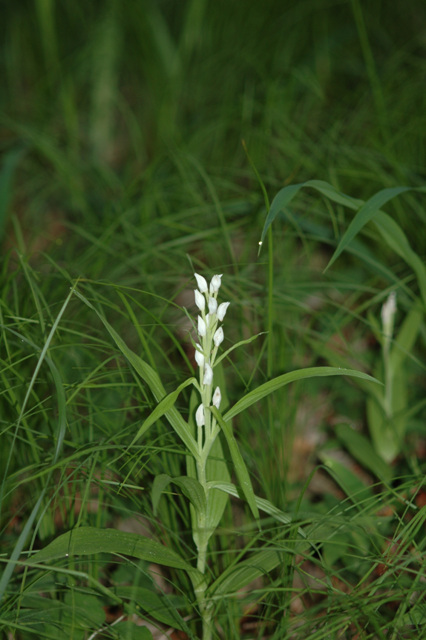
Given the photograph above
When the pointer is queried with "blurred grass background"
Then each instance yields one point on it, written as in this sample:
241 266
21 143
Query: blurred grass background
129 133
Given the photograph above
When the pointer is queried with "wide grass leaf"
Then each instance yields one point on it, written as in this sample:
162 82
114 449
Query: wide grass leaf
398 242
286 195
365 212
86 541
364 215
301 374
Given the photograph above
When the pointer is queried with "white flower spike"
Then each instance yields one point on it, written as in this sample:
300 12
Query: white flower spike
201 282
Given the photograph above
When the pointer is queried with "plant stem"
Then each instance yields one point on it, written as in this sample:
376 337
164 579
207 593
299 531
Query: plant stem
202 544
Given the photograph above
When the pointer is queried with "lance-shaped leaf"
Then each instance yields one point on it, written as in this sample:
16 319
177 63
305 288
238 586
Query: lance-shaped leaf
161 607
238 576
301 374
366 211
190 487
239 464
286 195
86 541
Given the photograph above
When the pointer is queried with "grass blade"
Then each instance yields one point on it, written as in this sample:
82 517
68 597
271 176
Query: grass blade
364 215
162 408
148 375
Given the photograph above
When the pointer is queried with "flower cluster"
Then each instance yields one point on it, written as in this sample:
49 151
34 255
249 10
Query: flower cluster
211 337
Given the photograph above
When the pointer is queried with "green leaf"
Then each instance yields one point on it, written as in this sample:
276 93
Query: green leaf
367 211
191 488
87 541
217 500
162 408
84 608
301 374
130 631
360 448
62 423
351 484
160 607
406 338
235 346
263 505
148 375
363 216
397 240
239 464
10 163
238 576
216 468
286 195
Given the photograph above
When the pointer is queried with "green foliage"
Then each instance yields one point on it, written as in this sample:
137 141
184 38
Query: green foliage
133 136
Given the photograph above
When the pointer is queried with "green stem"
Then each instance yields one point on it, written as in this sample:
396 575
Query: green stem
388 380
202 544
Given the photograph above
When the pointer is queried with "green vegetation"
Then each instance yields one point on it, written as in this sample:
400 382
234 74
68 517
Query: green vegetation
282 145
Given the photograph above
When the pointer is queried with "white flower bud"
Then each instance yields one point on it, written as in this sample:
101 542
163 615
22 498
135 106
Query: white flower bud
207 319
199 357
388 314
217 398
212 305
200 300
218 337
208 374
215 283
201 282
222 310
202 329
199 416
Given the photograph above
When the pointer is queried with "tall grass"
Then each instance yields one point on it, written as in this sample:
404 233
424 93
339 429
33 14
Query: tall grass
123 172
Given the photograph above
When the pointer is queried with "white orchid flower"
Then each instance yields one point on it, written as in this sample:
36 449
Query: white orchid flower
222 310
201 282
